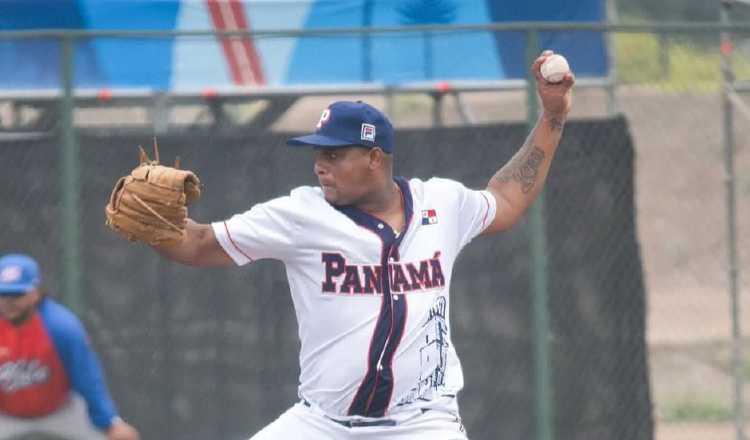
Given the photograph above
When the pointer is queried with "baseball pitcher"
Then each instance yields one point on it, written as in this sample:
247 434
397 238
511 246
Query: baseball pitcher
369 259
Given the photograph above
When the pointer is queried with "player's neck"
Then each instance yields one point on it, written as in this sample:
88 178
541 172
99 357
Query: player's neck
21 319
386 204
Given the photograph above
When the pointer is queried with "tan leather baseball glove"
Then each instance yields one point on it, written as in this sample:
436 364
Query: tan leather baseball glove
150 204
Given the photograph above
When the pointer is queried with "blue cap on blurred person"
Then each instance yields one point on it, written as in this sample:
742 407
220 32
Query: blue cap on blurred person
346 123
18 274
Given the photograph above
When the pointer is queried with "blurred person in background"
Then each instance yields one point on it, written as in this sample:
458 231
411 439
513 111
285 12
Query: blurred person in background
51 381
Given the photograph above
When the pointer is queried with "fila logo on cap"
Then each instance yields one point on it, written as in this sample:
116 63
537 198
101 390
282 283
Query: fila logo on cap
368 132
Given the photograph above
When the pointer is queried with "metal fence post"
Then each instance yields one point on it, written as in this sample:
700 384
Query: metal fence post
70 185
730 180
538 242
611 86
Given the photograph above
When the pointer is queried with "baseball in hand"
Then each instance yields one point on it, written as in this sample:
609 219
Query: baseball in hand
554 68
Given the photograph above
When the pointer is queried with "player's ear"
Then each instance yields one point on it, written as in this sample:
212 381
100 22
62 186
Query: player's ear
376 158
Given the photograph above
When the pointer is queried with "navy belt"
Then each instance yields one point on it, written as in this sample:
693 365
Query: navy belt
363 423
358 423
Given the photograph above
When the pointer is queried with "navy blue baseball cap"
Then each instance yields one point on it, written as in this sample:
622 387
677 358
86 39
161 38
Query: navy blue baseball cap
18 274
346 123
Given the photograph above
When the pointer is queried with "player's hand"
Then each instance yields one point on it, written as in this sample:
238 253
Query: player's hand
120 430
557 98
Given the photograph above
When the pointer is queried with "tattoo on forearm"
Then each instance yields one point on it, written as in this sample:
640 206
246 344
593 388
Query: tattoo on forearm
523 168
557 124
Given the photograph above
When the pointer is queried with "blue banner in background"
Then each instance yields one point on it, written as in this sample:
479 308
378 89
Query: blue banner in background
35 63
586 51
396 58
182 63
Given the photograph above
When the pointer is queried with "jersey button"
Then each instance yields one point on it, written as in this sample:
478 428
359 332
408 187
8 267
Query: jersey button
381 226
395 297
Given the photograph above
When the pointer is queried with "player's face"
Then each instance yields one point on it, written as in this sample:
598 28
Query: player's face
343 174
17 308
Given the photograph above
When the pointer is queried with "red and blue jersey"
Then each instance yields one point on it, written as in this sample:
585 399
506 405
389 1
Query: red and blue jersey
45 358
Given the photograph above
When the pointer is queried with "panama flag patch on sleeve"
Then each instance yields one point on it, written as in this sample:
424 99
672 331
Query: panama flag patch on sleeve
429 217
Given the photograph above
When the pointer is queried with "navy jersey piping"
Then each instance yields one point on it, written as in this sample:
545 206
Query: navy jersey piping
374 393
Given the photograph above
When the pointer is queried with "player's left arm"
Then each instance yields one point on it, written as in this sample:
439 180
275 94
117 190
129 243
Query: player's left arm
84 370
516 185
121 430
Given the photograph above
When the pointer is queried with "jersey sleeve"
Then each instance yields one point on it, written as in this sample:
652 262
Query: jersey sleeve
476 212
81 363
475 209
267 230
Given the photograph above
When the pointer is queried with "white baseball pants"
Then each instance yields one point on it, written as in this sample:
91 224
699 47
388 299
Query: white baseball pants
71 421
301 422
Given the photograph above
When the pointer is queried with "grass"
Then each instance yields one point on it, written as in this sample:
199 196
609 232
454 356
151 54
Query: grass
724 359
693 408
673 65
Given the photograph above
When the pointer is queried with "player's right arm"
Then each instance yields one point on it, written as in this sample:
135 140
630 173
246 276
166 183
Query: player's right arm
199 248
517 184
267 230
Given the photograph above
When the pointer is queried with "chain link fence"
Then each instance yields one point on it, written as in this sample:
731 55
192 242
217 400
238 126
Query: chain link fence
636 225
216 350
671 93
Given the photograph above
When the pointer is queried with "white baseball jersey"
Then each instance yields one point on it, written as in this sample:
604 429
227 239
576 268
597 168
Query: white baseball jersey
372 343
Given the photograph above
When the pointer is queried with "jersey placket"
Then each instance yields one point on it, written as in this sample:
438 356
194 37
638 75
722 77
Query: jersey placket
374 393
